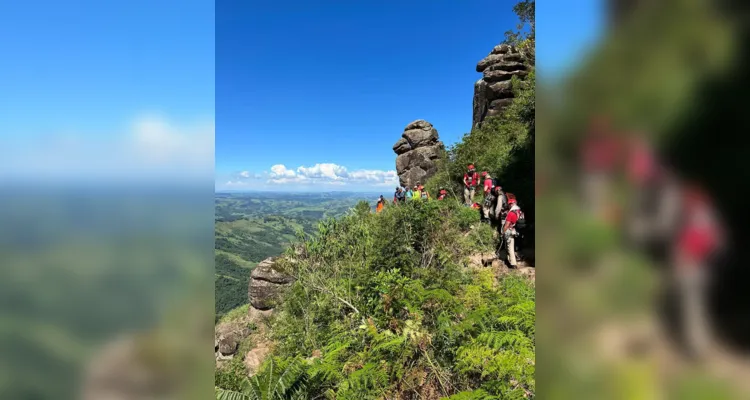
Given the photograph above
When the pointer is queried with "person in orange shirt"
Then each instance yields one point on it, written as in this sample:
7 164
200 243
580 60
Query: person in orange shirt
381 204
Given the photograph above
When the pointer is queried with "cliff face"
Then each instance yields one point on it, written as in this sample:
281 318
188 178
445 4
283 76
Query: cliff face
417 153
494 91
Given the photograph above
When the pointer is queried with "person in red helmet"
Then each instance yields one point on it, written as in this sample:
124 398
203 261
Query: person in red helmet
508 231
471 180
599 155
698 241
442 193
487 182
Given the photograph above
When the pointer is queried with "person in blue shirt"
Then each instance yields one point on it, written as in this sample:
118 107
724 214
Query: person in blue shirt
409 193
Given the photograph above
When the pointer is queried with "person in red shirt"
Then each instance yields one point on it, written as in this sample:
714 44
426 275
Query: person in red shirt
488 197
508 231
487 182
442 194
471 180
599 157
699 239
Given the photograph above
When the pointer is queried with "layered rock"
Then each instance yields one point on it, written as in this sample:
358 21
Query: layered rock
267 284
494 91
417 153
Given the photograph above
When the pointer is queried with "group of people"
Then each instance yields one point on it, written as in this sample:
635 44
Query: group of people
498 208
406 194
673 221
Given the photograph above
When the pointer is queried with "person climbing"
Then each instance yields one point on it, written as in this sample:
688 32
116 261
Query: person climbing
442 193
499 205
488 182
488 205
699 241
408 194
509 233
398 197
380 205
425 193
417 193
471 179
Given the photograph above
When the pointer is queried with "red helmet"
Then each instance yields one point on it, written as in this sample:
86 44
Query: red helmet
484 173
512 201
471 166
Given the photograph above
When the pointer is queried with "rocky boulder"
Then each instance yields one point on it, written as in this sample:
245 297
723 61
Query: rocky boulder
267 284
494 91
228 336
417 152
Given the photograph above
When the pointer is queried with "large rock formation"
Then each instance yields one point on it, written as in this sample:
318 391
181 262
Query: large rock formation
267 284
417 153
494 91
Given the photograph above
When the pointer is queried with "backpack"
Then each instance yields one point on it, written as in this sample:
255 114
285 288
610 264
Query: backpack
521 223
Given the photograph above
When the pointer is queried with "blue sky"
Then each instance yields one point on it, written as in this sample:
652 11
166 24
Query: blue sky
111 88
329 86
126 89
565 31
336 82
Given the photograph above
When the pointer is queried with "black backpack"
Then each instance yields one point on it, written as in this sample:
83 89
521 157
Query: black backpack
521 223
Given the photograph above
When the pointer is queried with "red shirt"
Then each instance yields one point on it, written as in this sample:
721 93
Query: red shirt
599 154
512 218
697 243
487 185
641 164
473 181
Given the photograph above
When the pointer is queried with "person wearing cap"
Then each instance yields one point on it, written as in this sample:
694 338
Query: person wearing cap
489 197
424 192
381 204
417 193
487 182
508 231
442 193
408 194
471 180
500 204
398 197
700 239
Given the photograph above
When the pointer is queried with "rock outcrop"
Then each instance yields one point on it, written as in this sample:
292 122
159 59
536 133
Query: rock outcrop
417 153
267 284
228 336
494 91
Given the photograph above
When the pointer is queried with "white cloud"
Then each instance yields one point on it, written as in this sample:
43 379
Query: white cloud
279 171
331 174
151 147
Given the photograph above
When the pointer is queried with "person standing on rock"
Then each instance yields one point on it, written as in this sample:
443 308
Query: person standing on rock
698 243
509 231
471 180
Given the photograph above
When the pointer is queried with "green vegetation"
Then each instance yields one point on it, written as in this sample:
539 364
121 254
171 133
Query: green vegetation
252 227
503 145
388 304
